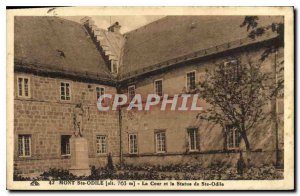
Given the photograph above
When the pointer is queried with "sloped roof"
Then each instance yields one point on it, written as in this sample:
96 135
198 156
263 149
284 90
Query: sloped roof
63 45
57 44
174 36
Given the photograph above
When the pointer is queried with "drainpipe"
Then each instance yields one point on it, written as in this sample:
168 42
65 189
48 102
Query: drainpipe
120 132
275 114
274 111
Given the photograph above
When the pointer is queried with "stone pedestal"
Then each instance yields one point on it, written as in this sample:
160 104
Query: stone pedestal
79 156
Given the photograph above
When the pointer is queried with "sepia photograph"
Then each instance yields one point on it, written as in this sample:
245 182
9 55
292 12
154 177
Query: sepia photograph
190 98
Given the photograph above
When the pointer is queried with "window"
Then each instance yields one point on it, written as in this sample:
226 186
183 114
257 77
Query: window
23 87
133 148
231 70
64 91
160 141
114 66
232 139
193 136
131 91
24 145
101 144
158 87
99 92
191 80
65 145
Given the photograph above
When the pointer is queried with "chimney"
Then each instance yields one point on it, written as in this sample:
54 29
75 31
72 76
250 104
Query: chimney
85 20
115 28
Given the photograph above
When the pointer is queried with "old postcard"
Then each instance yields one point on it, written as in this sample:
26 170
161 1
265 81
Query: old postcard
150 98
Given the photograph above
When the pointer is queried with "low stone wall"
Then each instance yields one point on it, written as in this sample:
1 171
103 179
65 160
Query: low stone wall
226 159
33 168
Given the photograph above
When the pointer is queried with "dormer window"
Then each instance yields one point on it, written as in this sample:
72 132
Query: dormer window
114 66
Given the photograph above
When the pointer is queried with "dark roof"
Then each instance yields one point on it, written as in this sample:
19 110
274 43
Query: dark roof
57 44
175 36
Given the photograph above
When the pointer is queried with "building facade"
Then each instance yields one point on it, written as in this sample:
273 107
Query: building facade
60 64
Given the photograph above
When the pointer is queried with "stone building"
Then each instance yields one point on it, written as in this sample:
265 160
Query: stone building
61 63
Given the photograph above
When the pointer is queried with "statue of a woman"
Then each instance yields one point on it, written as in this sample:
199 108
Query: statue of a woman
78 120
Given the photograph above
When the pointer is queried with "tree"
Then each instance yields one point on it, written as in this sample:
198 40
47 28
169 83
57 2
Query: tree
252 23
255 30
236 93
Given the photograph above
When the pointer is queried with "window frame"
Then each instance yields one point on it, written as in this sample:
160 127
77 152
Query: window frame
130 144
99 87
156 141
129 96
23 146
23 87
106 144
61 152
234 75
162 91
186 81
60 94
112 68
196 142
235 143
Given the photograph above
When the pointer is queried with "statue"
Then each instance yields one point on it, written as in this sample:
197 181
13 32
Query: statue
78 120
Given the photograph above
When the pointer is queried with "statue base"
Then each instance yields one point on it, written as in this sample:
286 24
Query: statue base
79 157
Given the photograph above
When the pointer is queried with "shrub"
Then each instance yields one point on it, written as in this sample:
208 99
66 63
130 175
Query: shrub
18 177
171 172
58 174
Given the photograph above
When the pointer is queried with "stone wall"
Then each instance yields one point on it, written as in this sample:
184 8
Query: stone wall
175 123
46 118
